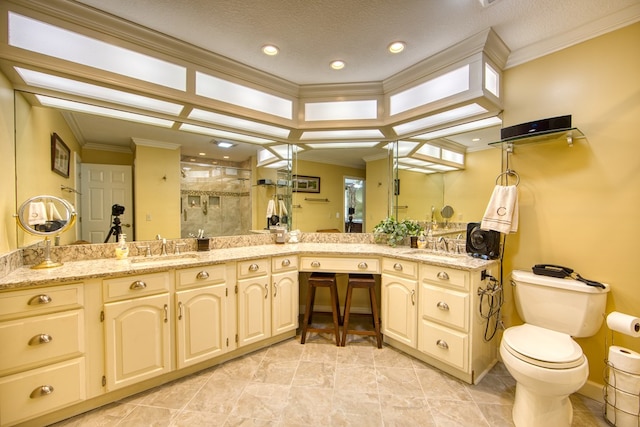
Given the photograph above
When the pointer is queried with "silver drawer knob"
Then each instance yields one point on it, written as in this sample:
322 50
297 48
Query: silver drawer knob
442 306
286 262
397 266
43 390
40 339
442 275
202 275
442 344
137 285
363 265
315 264
40 299
254 267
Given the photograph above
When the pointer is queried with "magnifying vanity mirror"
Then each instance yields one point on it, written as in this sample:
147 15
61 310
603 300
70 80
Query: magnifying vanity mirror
46 216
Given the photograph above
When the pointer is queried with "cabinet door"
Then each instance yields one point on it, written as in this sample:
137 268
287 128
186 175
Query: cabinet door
284 302
137 338
254 310
201 327
399 310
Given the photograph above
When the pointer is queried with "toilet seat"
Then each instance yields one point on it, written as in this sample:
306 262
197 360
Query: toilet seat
543 347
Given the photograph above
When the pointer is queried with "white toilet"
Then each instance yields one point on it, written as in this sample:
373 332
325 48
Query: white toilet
547 364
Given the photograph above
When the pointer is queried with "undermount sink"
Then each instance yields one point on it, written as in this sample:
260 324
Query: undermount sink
159 259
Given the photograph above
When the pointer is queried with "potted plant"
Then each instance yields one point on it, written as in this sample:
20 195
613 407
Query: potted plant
413 231
393 232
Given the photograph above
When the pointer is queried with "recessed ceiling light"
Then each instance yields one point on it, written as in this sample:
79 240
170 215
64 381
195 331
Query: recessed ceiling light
270 50
338 64
224 144
225 157
202 154
475 140
396 47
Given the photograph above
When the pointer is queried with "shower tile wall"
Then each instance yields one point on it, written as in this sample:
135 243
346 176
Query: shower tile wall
216 199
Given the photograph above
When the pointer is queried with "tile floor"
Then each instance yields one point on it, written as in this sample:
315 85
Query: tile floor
320 384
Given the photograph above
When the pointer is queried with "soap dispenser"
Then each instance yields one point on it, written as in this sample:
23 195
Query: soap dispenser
422 241
122 250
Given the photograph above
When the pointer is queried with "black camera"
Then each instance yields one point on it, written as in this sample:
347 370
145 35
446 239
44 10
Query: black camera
117 210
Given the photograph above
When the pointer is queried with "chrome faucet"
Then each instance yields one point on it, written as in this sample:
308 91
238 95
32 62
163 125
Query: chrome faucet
444 243
146 248
164 247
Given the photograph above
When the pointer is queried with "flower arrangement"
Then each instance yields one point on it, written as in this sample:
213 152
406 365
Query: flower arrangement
394 232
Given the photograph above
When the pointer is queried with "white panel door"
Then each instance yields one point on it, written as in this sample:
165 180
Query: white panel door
102 186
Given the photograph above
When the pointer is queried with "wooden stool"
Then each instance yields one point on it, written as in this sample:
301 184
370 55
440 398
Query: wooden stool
364 281
322 280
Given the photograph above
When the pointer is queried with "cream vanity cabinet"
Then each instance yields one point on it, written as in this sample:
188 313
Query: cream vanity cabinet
399 300
202 315
254 303
450 328
137 329
284 294
42 356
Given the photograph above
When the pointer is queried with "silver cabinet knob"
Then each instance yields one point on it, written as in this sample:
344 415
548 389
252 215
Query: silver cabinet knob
40 339
43 390
315 264
442 344
202 275
40 299
254 267
442 306
397 266
137 285
363 265
443 275
286 262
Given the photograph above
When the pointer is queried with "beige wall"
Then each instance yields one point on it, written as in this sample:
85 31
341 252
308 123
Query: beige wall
156 192
7 168
579 205
376 192
103 157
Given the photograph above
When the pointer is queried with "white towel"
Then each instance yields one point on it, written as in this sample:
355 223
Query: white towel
283 208
502 211
37 213
52 212
271 208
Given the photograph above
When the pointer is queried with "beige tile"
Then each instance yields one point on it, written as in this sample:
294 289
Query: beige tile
348 402
315 374
233 421
107 415
275 371
320 352
244 367
286 350
308 406
588 419
360 380
148 416
497 415
409 411
439 385
341 419
356 355
174 395
492 389
198 419
401 381
261 401
389 357
217 396
457 413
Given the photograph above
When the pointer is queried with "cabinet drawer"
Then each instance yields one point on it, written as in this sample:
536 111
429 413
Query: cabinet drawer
284 263
396 267
134 286
340 265
36 301
33 393
34 340
253 268
196 276
445 276
445 306
444 344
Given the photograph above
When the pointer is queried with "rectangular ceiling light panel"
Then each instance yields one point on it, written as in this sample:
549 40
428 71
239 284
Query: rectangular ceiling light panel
465 127
223 134
36 36
74 87
343 145
242 96
452 156
248 125
491 80
440 118
80 107
342 134
341 110
440 87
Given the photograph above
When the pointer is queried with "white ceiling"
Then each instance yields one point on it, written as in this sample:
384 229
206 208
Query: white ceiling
312 33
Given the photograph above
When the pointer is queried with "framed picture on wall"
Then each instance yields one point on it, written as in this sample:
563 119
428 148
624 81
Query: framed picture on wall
60 156
306 184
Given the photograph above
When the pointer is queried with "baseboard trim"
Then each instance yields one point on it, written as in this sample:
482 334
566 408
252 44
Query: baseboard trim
593 390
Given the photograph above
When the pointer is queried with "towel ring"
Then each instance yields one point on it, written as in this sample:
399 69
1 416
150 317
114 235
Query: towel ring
509 172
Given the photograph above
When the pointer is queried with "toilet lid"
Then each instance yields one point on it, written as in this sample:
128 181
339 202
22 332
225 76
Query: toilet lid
543 347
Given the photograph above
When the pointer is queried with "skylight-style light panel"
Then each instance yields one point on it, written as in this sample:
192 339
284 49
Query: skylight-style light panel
465 127
341 110
36 36
452 156
221 119
425 171
415 162
223 134
80 107
342 134
403 147
444 168
440 118
440 87
429 150
233 93
327 145
48 81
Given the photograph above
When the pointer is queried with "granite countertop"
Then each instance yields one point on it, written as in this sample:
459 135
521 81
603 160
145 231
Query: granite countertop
71 271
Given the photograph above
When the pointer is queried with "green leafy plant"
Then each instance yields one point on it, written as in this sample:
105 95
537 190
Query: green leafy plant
393 232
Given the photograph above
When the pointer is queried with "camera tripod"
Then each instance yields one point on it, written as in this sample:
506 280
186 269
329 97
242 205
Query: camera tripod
116 229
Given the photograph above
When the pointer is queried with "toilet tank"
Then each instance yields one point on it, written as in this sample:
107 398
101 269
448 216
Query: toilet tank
563 305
